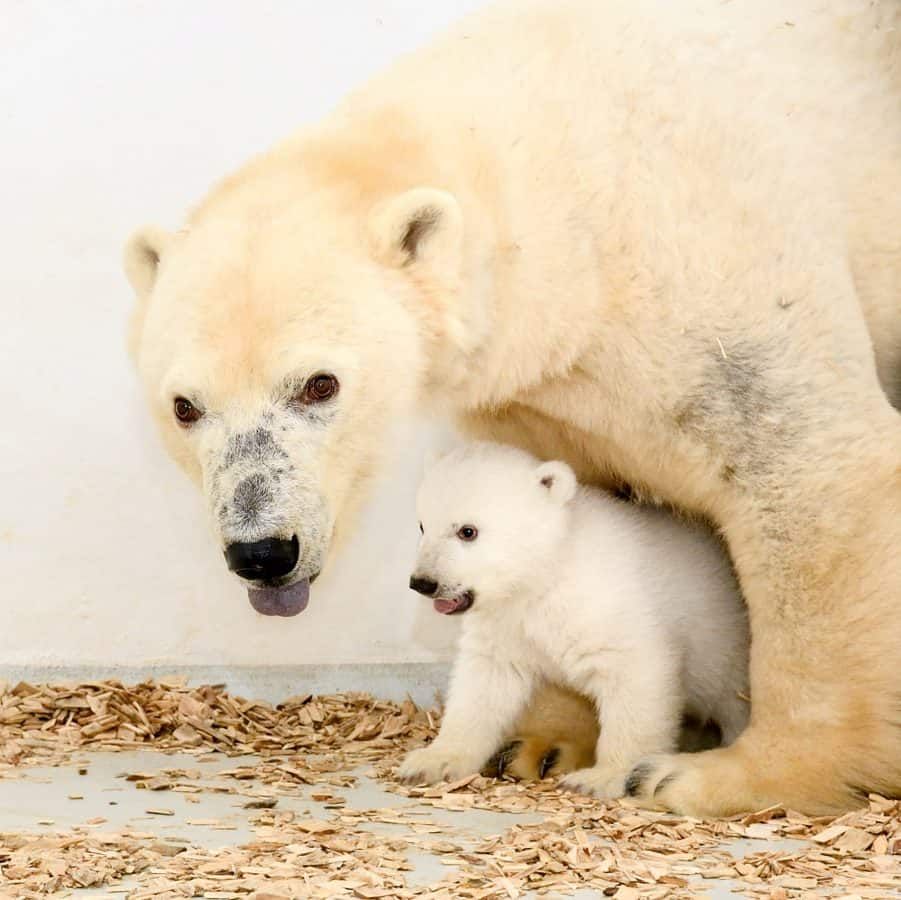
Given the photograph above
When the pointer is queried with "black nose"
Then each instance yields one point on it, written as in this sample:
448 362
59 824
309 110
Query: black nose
263 560
423 586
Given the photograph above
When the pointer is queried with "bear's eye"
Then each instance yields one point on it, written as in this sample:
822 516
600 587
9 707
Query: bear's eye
421 529
185 411
467 533
320 388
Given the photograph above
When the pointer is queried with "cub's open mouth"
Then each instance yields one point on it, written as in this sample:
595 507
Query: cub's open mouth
449 606
285 600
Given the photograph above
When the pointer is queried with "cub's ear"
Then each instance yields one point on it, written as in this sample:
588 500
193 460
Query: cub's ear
558 479
141 258
422 226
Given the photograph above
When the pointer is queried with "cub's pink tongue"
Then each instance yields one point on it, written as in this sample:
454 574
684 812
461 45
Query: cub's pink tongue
446 605
281 601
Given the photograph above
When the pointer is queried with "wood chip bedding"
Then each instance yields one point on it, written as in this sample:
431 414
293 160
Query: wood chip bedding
314 745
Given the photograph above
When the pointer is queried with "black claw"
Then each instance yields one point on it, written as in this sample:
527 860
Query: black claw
497 765
548 762
637 777
667 779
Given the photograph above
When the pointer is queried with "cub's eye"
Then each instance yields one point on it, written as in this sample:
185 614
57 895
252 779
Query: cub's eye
319 388
467 533
421 529
185 411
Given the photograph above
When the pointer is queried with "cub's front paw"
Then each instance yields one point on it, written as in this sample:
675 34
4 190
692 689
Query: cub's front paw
603 782
435 763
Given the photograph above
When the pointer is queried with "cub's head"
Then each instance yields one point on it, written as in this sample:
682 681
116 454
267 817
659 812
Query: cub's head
492 521
278 337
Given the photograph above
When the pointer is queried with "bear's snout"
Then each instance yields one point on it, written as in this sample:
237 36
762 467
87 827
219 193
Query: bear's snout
445 600
424 586
265 560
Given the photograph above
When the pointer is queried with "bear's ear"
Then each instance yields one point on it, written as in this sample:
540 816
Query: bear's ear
558 479
141 257
420 226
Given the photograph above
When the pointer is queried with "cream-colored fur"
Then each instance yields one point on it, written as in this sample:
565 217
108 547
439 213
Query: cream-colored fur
639 612
660 240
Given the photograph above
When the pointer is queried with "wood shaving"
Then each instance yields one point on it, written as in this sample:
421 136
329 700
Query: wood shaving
312 747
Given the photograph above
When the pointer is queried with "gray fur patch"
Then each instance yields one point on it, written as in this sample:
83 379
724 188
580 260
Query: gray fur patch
742 414
256 446
252 497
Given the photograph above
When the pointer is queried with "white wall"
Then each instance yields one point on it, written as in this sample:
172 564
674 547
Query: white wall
113 113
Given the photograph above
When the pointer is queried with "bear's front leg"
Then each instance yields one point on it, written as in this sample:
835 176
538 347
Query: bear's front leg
640 705
485 697
813 520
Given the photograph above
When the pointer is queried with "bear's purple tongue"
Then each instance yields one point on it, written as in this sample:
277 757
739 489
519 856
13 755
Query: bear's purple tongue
281 601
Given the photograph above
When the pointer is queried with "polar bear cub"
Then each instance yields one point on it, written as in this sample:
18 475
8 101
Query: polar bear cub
562 583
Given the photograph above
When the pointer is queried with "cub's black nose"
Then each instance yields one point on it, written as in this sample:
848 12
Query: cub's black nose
423 586
263 560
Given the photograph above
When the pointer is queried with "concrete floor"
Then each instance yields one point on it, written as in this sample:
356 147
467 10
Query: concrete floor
42 800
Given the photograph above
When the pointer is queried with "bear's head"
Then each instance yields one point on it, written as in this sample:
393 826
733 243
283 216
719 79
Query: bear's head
492 520
279 336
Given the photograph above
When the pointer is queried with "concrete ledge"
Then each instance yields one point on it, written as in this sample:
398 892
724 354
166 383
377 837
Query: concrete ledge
392 681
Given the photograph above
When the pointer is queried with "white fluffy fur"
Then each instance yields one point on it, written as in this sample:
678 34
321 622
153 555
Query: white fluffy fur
637 611
658 239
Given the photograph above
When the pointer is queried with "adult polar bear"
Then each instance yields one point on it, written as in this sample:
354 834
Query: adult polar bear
659 240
